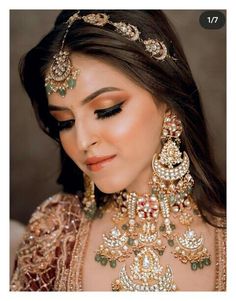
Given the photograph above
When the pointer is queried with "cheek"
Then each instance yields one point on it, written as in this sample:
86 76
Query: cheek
137 130
135 137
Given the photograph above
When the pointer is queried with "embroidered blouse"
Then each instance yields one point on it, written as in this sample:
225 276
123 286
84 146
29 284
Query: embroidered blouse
50 257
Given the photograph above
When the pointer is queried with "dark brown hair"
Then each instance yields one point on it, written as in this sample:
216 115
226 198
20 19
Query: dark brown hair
169 81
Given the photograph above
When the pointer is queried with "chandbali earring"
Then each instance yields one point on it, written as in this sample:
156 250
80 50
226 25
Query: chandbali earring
89 201
174 184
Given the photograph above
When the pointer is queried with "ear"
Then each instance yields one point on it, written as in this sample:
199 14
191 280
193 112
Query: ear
168 109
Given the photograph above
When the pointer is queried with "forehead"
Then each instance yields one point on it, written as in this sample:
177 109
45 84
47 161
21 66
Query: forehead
95 74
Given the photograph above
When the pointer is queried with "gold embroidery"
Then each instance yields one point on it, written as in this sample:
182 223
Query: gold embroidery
45 253
77 258
220 243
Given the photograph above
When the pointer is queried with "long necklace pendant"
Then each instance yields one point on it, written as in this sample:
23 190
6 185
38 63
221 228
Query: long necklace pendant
146 274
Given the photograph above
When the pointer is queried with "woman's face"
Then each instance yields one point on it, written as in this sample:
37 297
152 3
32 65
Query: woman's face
107 114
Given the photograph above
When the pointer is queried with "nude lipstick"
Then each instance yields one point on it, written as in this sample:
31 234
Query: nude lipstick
97 163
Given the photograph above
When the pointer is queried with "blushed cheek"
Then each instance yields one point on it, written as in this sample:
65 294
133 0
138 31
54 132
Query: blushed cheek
122 132
139 129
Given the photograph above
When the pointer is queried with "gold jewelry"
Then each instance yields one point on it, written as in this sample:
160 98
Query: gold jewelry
142 221
189 246
62 75
89 201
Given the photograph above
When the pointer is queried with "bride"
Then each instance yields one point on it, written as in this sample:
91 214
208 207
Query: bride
143 207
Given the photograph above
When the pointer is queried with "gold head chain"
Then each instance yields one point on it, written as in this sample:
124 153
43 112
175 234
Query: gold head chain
62 75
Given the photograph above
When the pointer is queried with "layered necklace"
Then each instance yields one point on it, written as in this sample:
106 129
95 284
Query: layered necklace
143 225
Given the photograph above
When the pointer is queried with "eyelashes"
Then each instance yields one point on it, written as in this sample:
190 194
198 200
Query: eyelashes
106 113
62 125
101 114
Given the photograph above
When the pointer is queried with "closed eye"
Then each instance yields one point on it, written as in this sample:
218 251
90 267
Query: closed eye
101 114
109 112
63 125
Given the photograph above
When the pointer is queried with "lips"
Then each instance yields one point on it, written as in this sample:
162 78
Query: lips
96 163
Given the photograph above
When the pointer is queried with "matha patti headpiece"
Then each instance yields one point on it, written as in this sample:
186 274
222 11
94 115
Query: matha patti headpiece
62 75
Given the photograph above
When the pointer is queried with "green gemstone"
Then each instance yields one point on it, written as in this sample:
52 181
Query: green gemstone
194 266
161 196
161 252
130 241
124 227
62 92
90 214
207 261
170 242
172 226
113 264
103 260
201 264
48 89
189 189
71 83
98 257
172 198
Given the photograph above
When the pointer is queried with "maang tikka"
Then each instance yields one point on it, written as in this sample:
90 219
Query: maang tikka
144 225
62 75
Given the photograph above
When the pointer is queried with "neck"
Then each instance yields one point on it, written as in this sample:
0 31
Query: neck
140 185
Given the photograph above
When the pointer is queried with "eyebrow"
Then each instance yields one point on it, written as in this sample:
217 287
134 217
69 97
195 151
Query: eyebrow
86 99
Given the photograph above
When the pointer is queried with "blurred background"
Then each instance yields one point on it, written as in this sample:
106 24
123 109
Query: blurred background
34 165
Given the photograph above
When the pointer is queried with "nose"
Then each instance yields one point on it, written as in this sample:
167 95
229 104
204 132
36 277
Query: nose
86 136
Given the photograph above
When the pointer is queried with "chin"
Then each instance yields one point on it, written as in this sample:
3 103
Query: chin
110 187
107 190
